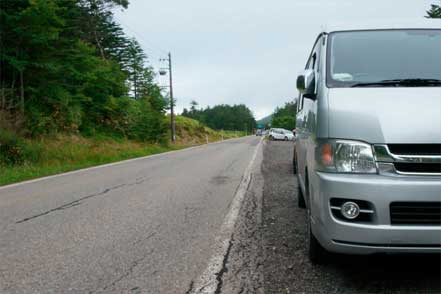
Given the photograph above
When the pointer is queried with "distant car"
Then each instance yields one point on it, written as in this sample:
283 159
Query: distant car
261 132
289 136
281 134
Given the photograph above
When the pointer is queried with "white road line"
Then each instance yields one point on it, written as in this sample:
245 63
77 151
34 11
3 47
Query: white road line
111 164
208 282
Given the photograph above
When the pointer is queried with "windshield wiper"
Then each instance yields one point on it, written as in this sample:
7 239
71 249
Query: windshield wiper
401 82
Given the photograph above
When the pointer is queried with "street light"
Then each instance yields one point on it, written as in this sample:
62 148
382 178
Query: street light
163 72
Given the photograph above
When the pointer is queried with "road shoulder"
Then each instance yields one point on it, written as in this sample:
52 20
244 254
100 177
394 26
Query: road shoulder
244 266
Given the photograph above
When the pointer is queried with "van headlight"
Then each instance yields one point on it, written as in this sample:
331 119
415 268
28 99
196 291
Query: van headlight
344 156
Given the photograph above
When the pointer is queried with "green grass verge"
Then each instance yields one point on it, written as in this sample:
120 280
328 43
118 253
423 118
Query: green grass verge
192 132
63 154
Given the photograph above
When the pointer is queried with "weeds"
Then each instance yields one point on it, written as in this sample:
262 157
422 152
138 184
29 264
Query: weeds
23 159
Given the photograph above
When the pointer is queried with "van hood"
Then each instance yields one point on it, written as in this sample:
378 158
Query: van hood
386 115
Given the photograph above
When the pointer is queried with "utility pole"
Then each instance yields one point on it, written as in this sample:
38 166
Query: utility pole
172 102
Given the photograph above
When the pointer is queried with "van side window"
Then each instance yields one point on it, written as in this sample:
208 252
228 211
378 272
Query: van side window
318 50
313 63
316 56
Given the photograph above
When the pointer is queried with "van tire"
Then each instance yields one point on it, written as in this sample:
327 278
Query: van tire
316 253
286 138
294 163
300 198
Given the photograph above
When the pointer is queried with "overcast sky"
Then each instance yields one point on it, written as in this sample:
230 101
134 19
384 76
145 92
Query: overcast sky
245 51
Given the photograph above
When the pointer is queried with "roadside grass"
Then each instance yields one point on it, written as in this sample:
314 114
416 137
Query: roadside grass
63 153
191 132
67 153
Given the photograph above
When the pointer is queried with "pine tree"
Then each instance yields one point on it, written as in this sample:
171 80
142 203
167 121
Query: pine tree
135 58
434 12
99 29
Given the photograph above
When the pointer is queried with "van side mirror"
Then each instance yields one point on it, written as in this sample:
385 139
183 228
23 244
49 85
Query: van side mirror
306 83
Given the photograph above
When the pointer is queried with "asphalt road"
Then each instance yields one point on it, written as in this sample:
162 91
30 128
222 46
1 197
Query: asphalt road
143 226
152 225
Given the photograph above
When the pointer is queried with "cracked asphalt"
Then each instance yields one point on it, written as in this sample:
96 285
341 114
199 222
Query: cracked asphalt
148 226
143 226
268 252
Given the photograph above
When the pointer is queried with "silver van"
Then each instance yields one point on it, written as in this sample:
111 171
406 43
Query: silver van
368 148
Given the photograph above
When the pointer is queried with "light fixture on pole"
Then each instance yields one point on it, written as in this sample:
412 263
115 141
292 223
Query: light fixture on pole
162 72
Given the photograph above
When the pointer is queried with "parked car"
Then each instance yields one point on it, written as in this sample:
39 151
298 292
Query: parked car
280 134
368 147
289 136
260 132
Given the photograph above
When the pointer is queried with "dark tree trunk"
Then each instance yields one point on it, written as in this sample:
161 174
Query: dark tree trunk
22 98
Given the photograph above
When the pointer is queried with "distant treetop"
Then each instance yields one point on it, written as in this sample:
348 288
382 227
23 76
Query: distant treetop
434 11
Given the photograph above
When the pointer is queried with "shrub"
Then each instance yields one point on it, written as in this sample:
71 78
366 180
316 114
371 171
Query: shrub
144 123
11 148
16 151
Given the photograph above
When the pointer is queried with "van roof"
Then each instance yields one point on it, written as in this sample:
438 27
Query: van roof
422 23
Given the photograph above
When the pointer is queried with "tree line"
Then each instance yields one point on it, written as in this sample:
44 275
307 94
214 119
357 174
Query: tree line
223 117
67 66
285 117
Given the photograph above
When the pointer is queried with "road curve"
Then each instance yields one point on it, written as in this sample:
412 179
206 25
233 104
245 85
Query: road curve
143 226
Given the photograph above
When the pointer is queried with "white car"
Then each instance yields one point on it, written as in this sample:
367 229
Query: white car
281 134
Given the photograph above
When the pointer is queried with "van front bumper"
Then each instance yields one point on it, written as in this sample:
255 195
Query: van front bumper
378 235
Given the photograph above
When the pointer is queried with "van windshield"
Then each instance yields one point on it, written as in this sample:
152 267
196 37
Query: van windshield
384 58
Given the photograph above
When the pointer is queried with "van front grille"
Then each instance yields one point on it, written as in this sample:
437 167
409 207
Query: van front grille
410 167
415 213
409 159
415 149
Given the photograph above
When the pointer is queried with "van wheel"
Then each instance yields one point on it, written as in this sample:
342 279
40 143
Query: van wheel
316 253
286 138
294 165
300 198
271 138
